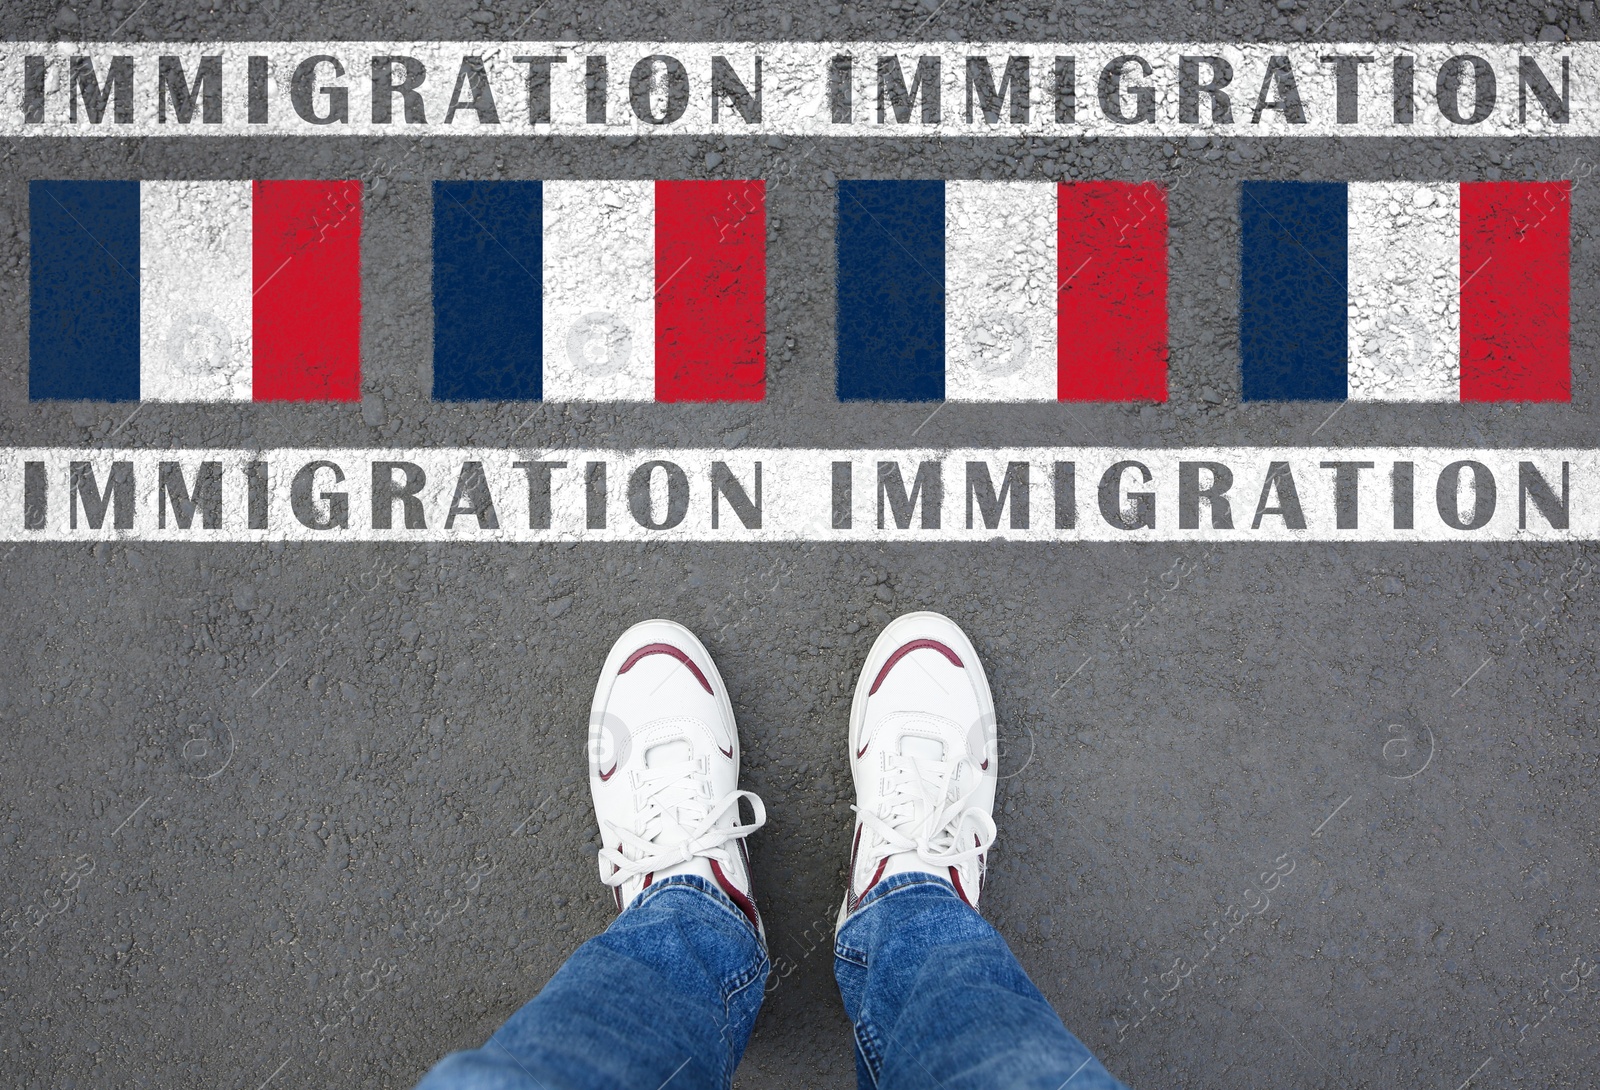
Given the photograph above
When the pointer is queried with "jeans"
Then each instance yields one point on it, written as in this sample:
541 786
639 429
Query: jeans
667 995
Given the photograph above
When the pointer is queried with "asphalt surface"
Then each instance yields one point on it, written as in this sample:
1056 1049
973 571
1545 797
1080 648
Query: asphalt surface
314 815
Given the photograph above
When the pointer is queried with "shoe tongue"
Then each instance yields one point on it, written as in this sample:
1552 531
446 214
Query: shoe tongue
926 749
668 753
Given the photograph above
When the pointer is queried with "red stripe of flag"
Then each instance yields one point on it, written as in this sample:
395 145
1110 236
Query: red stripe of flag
1515 305
306 324
711 291
1111 341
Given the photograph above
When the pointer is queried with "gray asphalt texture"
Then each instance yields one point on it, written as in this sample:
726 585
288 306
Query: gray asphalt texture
316 815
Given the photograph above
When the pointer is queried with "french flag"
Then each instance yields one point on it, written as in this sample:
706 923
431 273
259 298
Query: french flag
599 290
1405 291
195 291
1002 291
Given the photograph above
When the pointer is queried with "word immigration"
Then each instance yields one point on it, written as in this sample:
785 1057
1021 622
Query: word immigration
1025 494
800 88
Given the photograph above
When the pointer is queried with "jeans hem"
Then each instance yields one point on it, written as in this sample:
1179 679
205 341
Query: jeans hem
701 885
891 885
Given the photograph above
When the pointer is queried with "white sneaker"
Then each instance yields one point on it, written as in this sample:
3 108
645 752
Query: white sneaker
664 768
923 756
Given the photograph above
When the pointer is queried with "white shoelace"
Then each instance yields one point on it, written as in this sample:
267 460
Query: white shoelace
675 800
918 815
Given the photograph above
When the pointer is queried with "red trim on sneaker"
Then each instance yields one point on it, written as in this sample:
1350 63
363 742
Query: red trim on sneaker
648 879
955 880
855 847
737 896
667 649
877 874
914 645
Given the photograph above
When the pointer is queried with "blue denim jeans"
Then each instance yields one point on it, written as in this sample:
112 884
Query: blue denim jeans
938 999
667 995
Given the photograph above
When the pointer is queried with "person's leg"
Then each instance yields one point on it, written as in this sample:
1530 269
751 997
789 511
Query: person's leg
935 995
938 999
671 989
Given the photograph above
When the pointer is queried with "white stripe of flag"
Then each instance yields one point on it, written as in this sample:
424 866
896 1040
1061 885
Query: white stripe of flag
1404 291
195 270
1000 291
599 290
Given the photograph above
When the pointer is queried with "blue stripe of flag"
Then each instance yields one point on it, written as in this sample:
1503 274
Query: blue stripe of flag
891 291
1294 266
488 284
83 314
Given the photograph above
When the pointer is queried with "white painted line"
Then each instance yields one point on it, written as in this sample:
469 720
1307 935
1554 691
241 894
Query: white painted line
800 95
1021 494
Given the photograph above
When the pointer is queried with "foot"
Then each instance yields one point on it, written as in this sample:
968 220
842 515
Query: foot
922 753
664 768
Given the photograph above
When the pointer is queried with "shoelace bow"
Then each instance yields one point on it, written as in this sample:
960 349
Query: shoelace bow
917 815
675 798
